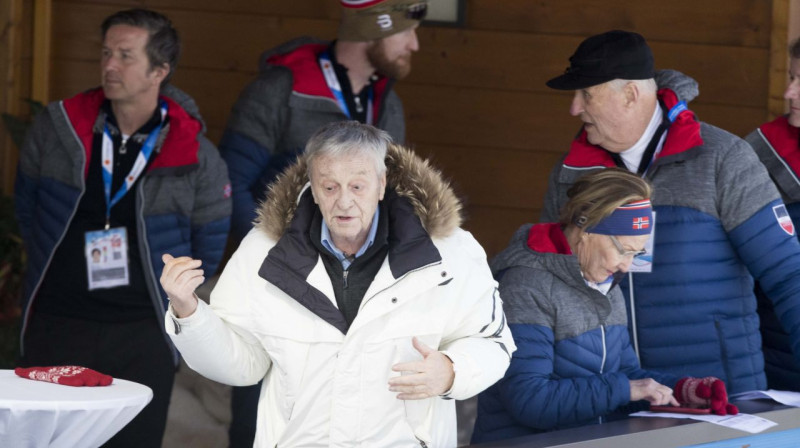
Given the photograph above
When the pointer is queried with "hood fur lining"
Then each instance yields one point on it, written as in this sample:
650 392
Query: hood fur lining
411 177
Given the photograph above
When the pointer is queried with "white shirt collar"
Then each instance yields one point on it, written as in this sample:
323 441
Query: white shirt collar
632 156
603 287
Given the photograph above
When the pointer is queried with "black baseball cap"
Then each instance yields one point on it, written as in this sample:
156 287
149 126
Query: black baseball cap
601 58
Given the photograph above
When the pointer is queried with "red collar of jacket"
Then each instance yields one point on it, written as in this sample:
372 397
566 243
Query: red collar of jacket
784 138
683 134
307 77
180 147
548 238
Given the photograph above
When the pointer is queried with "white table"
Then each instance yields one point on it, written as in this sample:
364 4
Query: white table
40 414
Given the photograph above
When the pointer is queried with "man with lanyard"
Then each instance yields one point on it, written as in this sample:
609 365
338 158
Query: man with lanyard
777 145
108 180
301 86
717 221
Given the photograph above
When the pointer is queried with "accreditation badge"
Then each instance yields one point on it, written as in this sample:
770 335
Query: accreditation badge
644 263
107 258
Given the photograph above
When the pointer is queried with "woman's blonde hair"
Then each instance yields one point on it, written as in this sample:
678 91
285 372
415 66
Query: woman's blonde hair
595 196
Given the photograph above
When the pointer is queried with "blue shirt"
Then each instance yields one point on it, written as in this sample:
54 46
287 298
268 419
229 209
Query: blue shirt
327 241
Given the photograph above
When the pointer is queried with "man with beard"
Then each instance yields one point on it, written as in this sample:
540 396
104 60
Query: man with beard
302 85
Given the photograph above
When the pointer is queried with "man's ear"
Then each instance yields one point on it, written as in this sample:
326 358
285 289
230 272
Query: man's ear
160 72
314 196
383 186
631 91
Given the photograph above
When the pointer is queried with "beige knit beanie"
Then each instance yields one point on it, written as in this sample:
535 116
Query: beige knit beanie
364 20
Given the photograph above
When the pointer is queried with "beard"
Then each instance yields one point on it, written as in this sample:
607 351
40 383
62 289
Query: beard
397 68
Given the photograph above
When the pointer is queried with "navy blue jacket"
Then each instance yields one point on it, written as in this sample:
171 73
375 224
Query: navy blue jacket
574 358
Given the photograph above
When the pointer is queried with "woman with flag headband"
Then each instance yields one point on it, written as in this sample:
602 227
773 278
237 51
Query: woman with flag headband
574 363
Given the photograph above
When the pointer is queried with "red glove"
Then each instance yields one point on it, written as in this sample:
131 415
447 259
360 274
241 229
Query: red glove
66 375
706 392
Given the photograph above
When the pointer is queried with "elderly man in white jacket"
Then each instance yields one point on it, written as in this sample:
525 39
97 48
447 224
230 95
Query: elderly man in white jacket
360 302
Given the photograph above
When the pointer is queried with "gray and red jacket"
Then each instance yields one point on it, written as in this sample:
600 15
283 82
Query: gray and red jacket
776 144
278 112
716 230
183 201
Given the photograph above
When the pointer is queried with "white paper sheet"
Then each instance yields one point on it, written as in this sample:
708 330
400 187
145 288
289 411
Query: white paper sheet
744 422
781 396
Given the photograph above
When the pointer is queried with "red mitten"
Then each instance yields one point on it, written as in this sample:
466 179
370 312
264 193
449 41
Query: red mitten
706 392
66 375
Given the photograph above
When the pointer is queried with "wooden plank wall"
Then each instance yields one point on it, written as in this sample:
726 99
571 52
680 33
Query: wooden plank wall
16 17
475 102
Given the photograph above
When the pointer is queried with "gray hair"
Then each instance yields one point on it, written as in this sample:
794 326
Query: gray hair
341 138
645 85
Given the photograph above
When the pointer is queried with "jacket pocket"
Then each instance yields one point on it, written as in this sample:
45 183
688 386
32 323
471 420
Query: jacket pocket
288 344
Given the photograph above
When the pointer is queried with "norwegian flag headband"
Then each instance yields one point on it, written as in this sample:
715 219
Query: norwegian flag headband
632 219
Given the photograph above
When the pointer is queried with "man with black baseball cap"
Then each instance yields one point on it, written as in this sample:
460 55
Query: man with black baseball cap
719 222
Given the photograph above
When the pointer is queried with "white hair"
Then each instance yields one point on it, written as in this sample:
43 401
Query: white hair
644 85
348 138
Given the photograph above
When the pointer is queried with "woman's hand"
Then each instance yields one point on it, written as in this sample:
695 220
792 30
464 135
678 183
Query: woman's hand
653 391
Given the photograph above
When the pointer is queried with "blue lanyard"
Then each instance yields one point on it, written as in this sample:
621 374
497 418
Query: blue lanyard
136 169
336 88
671 115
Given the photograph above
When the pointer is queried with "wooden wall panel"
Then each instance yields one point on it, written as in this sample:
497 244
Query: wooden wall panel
16 17
724 22
476 102
448 56
494 226
478 174
778 59
300 8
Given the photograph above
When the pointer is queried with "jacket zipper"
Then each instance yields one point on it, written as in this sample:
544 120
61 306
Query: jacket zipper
634 332
603 361
147 265
422 442
603 338
344 277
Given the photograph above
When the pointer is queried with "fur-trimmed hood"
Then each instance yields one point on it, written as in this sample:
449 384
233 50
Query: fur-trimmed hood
410 176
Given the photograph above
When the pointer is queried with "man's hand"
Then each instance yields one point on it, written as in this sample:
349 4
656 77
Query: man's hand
430 377
180 277
653 391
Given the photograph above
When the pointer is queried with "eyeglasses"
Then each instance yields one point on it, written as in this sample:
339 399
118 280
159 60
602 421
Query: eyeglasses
622 251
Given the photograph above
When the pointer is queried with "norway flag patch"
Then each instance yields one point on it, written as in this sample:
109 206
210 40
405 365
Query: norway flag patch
641 223
783 218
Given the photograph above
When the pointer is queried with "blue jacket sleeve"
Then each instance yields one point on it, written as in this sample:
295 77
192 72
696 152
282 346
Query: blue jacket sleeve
212 209
535 397
772 254
247 161
629 364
